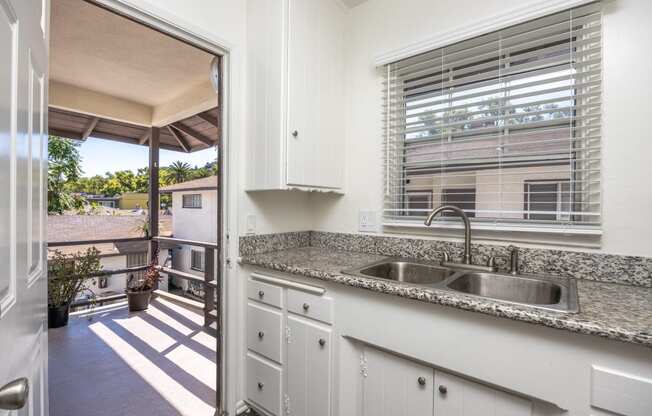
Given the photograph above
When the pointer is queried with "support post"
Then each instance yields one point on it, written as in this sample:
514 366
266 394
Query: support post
153 190
209 290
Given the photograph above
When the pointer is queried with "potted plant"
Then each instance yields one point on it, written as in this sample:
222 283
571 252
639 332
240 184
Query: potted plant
139 289
68 276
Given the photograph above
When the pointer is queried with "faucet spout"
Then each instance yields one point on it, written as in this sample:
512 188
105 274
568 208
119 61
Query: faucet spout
467 226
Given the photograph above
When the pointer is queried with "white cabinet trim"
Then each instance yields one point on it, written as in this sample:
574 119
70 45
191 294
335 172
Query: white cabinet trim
478 27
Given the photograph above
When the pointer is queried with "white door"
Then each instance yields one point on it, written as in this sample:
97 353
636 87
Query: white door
23 202
456 396
393 386
315 135
308 390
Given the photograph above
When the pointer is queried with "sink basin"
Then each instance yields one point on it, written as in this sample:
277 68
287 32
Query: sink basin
518 289
406 271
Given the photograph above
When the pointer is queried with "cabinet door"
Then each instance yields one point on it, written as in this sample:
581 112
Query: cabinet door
459 397
393 386
315 137
308 369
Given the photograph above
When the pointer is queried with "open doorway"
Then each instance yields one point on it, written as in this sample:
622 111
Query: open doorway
127 87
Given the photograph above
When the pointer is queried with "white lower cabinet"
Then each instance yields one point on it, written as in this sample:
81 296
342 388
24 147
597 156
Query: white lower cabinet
264 384
394 386
308 368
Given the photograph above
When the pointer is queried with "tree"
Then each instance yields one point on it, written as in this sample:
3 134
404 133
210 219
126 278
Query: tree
180 171
64 168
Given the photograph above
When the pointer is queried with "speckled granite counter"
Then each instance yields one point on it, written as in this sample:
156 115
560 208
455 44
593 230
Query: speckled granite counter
607 310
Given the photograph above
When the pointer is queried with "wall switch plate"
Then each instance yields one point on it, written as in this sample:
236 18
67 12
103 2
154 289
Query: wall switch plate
251 224
367 221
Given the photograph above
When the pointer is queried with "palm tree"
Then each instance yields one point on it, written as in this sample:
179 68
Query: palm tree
179 171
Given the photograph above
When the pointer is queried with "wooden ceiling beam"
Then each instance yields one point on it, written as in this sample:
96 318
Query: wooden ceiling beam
90 127
63 133
209 119
180 139
193 133
145 136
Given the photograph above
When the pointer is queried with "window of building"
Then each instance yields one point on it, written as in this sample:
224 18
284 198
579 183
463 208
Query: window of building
197 260
191 201
418 202
490 113
548 200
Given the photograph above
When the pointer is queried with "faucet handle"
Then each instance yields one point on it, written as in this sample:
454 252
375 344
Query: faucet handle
513 259
445 257
491 262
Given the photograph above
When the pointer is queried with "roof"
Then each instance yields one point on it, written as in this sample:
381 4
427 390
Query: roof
202 184
66 228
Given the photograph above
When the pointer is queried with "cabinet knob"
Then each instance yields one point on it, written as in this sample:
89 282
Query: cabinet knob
443 389
260 385
421 381
322 342
295 133
261 334
306 307
261 294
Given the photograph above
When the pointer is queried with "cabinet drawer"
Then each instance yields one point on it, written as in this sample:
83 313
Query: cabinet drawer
264 385
310 306
265 293
264 328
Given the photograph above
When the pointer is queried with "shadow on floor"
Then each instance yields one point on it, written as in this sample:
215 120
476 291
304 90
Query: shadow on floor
158 362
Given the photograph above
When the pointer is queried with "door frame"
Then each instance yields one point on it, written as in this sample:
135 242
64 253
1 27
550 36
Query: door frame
186 32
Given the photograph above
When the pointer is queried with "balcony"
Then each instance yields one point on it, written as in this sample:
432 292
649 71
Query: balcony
108 361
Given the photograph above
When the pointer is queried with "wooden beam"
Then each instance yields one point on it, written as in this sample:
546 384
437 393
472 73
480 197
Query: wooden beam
192 133
180 139
90 127
63 133
209 118
145 136
153 189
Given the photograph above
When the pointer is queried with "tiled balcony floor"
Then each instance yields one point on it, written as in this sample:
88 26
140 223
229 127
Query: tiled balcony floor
158 362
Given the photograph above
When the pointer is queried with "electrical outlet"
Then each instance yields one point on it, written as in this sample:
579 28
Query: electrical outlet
251 224
367 221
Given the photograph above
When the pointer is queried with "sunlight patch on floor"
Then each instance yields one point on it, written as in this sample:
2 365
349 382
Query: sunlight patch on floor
206 340
168 320
146 332
184 401
194 364
186 313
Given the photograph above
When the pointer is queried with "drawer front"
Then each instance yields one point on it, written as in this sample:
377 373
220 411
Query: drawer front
310 306
264 385
265 293
264 329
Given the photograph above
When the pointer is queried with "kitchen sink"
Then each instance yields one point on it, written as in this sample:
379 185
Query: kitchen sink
559 295
409 272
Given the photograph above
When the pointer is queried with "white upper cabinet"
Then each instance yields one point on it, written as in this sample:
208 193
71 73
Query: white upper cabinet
295 100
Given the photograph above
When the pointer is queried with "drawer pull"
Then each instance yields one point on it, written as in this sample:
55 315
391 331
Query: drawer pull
260 385
443 389
421 381
261 334
306 307
261 294
322 342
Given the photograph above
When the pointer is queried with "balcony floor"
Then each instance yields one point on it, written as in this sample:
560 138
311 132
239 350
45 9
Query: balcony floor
112 362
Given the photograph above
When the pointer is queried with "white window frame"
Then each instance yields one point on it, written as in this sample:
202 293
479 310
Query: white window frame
202 262
193 199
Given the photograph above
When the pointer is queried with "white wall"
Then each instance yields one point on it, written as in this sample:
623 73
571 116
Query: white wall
381 25
199 224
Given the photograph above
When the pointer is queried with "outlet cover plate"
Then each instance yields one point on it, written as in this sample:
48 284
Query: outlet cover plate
368 221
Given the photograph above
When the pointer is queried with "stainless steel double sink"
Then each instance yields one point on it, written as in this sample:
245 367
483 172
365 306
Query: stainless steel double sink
554 294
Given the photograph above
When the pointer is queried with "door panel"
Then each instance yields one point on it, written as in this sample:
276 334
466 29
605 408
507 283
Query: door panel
393 386
466 398
23 160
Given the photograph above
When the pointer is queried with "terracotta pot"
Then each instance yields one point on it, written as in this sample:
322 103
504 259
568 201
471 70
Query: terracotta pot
58 316
138 301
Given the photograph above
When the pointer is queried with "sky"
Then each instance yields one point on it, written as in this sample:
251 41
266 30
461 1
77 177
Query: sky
101 156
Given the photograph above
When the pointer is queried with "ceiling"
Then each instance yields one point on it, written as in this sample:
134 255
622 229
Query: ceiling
353 3
97 50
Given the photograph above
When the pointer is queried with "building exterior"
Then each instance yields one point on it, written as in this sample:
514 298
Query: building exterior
102 200
194 217
133 200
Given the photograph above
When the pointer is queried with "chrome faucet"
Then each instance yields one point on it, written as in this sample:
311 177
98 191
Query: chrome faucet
466 260
467 227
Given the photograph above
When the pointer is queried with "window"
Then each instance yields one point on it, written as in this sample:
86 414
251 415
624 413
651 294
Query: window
549 200
418 201
197 260
476 120
191 201
463 198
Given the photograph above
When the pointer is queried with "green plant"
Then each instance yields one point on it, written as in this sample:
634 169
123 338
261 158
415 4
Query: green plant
148 280
70 274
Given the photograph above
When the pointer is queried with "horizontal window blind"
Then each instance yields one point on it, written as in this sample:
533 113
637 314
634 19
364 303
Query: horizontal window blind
500 125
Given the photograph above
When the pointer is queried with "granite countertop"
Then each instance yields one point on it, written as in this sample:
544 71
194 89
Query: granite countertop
608 310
